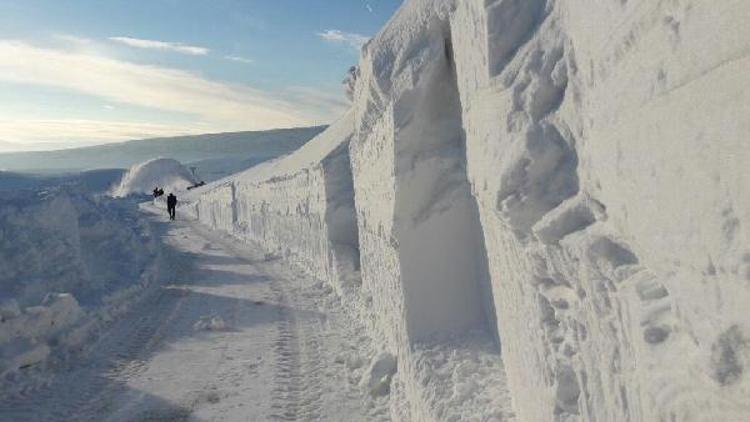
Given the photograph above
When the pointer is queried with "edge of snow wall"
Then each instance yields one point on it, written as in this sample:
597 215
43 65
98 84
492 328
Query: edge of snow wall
552 154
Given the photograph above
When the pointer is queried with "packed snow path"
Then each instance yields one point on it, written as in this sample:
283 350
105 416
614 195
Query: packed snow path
226 339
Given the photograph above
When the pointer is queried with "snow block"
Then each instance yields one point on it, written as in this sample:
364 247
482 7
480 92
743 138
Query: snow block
378 377
25 337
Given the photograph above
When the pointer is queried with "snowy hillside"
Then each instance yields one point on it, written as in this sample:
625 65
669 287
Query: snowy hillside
93 181
7 146
240 148
143 178
540 208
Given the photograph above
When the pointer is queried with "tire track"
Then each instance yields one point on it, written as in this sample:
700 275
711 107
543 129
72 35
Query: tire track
310 405
84 392
285 395
299 368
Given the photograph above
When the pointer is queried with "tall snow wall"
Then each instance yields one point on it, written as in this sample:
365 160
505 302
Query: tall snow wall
606 143
300 207
569 178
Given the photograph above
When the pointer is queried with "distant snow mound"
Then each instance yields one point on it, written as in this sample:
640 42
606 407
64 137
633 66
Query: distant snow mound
165 173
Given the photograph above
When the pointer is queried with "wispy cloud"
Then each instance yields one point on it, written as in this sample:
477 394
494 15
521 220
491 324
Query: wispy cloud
355 41
239 59
220 106
73 40
327 102
162 45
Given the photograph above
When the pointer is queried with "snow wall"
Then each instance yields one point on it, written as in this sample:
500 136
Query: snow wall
569 178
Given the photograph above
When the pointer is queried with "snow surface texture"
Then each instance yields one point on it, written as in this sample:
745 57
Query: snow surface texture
566 180
165 173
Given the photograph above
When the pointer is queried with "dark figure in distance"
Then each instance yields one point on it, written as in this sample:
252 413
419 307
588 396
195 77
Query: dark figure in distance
158 192
171 205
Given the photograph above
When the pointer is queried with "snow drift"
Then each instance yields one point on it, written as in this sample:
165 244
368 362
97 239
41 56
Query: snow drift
165 173
565 181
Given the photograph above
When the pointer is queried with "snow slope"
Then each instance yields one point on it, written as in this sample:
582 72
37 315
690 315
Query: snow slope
165 173
562 182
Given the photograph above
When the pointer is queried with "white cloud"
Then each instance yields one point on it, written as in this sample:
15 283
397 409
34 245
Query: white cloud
162 45
210 106
224 105
239 59
356 41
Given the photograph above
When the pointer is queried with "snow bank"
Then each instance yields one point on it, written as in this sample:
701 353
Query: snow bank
568 179
165 173
62 241
68 264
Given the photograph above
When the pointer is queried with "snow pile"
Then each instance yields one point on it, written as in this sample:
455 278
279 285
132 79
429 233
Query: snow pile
568 180
377 379
210 323
165 173
24 336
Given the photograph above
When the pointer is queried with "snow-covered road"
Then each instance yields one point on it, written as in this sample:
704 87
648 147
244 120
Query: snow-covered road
233 335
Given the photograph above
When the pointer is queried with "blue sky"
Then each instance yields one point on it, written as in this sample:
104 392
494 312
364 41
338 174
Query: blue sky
76 72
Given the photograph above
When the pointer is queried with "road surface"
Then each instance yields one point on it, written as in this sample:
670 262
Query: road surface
230 335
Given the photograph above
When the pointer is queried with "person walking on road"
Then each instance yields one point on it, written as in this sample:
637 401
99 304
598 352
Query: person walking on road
171 205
